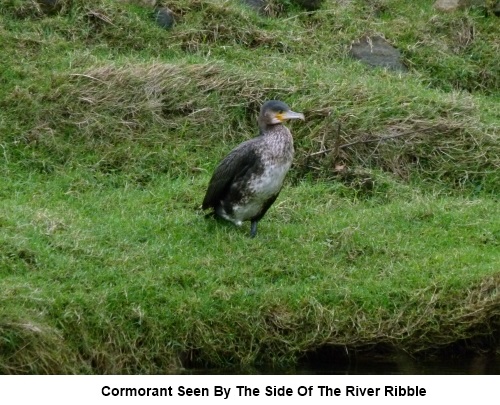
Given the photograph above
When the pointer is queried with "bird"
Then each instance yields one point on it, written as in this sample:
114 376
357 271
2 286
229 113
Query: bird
248 180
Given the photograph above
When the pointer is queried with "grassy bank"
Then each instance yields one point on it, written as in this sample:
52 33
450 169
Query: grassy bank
110 127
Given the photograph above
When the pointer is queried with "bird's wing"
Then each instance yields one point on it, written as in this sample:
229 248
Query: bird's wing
233 166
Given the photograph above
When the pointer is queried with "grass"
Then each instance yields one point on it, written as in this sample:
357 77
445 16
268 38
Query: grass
115 278
110 128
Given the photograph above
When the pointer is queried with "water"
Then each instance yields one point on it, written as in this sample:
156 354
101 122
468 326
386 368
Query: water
405 365
380 364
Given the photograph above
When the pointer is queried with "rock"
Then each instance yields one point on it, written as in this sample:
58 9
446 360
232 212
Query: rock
257 5
452 5
496 9
309 5
164 17
377 52
447 5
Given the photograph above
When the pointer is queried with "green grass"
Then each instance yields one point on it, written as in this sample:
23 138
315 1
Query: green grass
127 279
110 128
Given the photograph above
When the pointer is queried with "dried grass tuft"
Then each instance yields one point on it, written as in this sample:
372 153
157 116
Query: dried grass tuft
445 151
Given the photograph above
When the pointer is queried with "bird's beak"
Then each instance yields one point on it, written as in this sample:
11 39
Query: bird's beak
291 115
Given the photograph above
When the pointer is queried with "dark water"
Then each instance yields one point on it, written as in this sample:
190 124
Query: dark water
401 364
406 365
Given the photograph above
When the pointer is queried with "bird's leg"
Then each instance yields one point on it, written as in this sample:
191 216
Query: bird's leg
253 229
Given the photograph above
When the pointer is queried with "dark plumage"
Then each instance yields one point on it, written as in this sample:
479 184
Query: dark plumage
248 180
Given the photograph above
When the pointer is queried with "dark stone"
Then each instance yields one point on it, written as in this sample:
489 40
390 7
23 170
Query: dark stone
164 17
496 9
309 5
452 5
257 5
447 5
377 52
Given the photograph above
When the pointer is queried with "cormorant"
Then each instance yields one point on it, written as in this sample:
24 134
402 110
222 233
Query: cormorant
248 180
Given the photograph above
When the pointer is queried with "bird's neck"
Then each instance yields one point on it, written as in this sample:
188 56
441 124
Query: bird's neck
278 141
270 128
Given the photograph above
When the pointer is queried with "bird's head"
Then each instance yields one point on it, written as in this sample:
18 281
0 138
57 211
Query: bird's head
275 112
